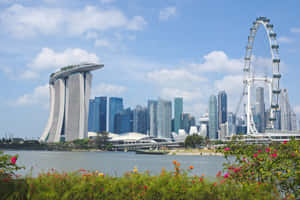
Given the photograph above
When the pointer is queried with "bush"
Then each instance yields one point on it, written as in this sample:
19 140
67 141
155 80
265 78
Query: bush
177 184
277 164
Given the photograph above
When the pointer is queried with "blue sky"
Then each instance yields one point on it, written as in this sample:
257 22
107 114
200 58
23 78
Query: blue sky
150 49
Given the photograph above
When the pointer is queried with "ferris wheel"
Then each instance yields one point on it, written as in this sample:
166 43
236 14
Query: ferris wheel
271 81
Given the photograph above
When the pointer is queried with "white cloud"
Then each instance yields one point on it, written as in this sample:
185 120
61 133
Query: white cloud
49 59
91 35
167 12
40 95
28 74
218 61
104 89
21 21
295 30
106 1
284 39
137 23
233 86
176 76
8 71
103 43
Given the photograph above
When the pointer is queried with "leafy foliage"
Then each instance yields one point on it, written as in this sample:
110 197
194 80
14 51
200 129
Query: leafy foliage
171 185
193 141
277 164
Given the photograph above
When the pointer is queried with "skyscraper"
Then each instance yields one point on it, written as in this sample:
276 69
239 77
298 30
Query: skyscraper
164 118
103 114
91 120
115 107
231 124
123 121
152 109
185 122
213 117
140 119
222 108
69 103
178 109
98 114
260 110
288 116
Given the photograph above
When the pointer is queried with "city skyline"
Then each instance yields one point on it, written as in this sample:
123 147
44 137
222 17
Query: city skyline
171 65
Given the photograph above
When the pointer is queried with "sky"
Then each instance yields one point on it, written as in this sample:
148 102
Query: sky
150 49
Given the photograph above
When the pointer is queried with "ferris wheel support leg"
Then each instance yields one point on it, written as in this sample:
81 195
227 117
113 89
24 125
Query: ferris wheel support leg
248 109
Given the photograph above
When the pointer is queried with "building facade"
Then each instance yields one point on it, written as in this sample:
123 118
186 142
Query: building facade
231 124
152 107
98 115
212 118
115 107
140 119
288 116
260 115
164 118
178 110
69 103
123 121
222 108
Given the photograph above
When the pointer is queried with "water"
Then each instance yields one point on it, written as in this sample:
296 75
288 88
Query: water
113 163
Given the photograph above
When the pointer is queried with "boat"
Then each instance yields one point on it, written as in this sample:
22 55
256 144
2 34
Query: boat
151 152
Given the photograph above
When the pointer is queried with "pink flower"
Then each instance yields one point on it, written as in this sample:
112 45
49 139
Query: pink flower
284 142
293 154
274 155
259 151
227 149
235 170
255 155
275 150
226 175
268 150
260 159
244 159
13 160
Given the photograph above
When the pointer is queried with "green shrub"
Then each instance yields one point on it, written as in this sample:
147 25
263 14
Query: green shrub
177 184
277 164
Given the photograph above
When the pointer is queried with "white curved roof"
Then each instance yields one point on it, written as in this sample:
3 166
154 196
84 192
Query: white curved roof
124 136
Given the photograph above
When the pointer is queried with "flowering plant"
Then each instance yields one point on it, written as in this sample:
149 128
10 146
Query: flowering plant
277 164
8 165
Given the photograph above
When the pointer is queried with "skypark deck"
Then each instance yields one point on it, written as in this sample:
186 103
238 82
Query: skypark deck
66 71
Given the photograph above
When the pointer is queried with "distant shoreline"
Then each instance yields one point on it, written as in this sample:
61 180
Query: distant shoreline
194 152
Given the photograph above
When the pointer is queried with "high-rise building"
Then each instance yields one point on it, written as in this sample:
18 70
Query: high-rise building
293 121
164 118
204 125
140 119
152 109
192 121
178 109
231 125
185 122
260 110
91 120
69 103
98 114
213 118
288 116
123 121
103 115
222 108
115 107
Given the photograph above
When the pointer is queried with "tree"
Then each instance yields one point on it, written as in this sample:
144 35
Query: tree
193 141
101 140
